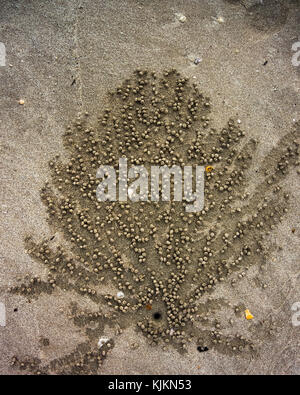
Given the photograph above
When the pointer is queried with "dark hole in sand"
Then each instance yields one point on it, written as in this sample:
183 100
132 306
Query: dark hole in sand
157 316
202 349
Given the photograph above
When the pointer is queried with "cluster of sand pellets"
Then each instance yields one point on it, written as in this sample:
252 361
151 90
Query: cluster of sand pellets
162 262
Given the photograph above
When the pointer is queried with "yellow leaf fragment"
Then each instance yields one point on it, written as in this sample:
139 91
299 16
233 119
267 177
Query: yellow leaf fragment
248 315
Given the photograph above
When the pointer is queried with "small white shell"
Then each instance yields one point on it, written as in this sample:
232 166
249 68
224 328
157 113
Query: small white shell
219 19
102 341
180 17
120 295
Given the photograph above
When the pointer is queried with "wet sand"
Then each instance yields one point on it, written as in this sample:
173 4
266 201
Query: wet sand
62 59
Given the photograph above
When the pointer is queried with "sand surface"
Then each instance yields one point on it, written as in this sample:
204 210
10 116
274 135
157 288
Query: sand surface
61 58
